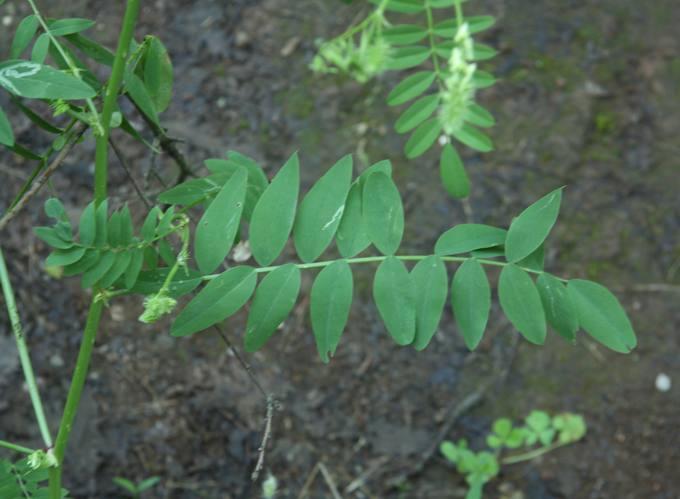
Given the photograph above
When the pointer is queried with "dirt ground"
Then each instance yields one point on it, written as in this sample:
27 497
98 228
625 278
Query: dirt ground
589 98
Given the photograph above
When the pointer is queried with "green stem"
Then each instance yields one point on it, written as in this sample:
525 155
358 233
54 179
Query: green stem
110 97
100 193
74 69
24 357
430 31
74 394
16 448
459 12
533 454
378 259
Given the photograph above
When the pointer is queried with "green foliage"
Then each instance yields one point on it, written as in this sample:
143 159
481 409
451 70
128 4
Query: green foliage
20 480
540 434
445 92
136 489
113 260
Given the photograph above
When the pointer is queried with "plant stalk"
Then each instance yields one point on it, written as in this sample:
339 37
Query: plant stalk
24 357
532 454
110 97
100 193
16 448
378 259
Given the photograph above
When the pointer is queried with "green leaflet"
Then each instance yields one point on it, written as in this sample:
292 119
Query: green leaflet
101 228
195 190
62 27
418 112
51 237
404 34
453 174
411 87
87 227
422 138
471 301
479 116
274 299
522 304
140 96
403 6
528 231
90 257
558 306
408 57
601 315
330 303
149 282
61 258
473 138
158 74
394 293
383 213
468 237
135 267
352 237
6 134
430 281
274 213
321 210
148 229
36 81
25 32
118 268
40 49
94 274
221 298
216 230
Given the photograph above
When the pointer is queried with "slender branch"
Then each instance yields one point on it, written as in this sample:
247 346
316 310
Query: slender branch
16 448
459 12
77 132
124 165
532 454
242 361
378 259
24 357
265 438
74 69
167 144
430 30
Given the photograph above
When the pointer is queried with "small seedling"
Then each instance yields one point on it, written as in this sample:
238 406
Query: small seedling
540 434
136 489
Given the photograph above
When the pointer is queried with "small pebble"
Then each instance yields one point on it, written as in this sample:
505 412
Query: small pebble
663 382
7 20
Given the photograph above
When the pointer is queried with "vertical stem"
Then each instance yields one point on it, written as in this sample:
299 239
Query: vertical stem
110 96
459 13
430 30
100 193
23 352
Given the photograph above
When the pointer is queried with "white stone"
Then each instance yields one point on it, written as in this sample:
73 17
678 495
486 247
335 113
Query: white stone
663 382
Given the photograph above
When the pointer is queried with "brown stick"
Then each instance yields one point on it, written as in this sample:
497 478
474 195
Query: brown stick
77 132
